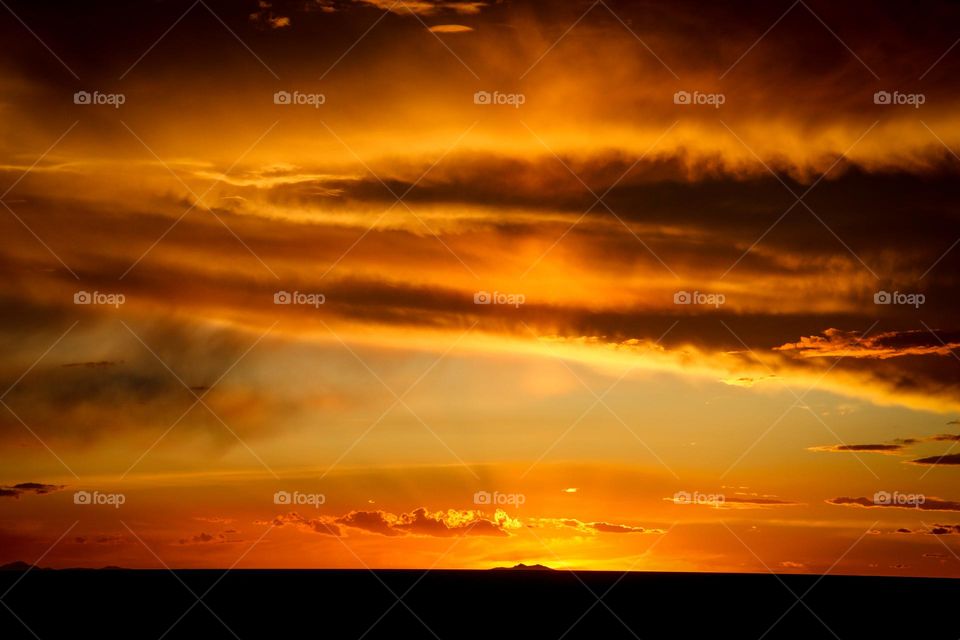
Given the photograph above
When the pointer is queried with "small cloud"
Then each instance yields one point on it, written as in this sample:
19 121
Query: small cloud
591 528
427 7
209 538
450 28
948 459
607 527
722 501
200 538
314 525
266 19
945 529
935 530
929 503
36 488
737 502
214 519
746 381
98 364
892 344
105 539
570 490
886 449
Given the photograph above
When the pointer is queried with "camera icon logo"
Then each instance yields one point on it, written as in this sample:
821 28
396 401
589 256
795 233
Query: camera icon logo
882 497
682 297
681 97
482 497
482 97
282 297
82 97
882 297
282 497
682 497
82 497
482 297
282 97
82 297
882 97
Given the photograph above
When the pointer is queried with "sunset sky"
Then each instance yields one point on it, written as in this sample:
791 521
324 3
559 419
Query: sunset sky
591 258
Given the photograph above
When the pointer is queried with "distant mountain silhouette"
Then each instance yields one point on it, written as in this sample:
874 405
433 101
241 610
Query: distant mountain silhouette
17 566
524 567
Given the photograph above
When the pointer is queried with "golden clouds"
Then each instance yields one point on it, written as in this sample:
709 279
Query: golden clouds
380 238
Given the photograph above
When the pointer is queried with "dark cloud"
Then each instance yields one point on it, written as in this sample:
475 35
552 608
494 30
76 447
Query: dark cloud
100 364
946 459
933 530
36 488
372 521
891 344
104 539
315 525
897 446
945 529
928 504
589 527
607 527
210 538
946 437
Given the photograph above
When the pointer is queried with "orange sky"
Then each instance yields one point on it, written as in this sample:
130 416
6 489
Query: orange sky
678 291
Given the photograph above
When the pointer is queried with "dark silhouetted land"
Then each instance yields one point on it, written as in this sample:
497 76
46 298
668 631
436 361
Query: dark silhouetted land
453 605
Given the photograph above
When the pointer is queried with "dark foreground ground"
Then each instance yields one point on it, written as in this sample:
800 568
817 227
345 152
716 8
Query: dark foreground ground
451 605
